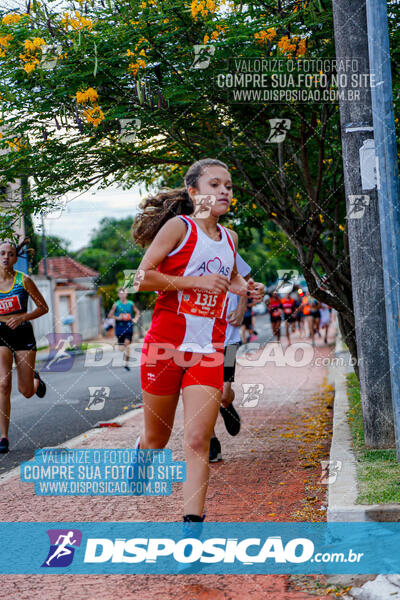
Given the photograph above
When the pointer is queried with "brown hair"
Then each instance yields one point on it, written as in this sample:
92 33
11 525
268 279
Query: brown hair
18 247
168 203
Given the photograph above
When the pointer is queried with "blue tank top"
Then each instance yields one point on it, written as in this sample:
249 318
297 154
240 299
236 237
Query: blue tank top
124 308
14 300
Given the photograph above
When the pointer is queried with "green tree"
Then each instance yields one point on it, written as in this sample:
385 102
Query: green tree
71 78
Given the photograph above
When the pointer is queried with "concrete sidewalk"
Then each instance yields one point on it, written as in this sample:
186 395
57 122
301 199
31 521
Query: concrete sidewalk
271 472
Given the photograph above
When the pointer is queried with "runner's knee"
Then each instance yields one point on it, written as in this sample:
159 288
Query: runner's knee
5 386
197 441
26 390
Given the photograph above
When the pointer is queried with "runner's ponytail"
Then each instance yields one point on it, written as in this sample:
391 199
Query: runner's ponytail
168 203
157 210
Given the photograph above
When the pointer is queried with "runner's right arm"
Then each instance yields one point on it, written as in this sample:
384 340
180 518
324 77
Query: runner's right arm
167 239
111 314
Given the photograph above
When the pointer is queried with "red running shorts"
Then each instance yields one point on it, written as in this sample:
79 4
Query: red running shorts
165 370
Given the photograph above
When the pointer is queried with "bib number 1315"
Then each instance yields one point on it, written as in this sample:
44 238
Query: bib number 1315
202 304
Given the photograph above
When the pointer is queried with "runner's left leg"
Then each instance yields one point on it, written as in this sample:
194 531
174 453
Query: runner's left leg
6 360
201 405
25 364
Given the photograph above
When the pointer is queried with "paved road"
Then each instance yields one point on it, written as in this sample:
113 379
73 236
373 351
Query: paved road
62 414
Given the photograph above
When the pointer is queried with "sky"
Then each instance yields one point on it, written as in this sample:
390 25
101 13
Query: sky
83 212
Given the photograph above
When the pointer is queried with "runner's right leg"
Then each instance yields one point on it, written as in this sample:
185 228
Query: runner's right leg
159 414
6 361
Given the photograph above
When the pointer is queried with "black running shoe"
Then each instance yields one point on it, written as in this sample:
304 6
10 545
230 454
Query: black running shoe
231 419
41 391
215 450
3 445
127 368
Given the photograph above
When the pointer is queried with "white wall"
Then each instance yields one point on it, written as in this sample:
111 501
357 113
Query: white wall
87 306
44 325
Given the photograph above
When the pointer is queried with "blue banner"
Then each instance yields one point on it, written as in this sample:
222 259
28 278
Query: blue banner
102 472
173 548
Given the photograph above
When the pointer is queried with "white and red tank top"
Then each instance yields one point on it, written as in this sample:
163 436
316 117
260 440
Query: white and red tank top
194 319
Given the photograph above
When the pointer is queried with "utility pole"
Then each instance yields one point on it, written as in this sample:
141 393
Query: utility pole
388 186
44 247
350 25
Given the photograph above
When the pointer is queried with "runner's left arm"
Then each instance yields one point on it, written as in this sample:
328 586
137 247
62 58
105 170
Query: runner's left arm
239 285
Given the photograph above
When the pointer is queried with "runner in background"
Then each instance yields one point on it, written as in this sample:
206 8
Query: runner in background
191 263
288 307
247 331
235 313
315 318
306 308
122 311
274 307
17 340
325 311
298 314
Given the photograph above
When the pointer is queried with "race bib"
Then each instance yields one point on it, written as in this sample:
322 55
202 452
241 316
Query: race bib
202 303
9 305
287 311
276 312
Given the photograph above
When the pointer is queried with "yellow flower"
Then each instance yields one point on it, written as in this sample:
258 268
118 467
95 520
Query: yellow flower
33 45
130 53
143 5
301 49
89 95
205 39
11 19
214 35
29 67
142 52
273 214
234 200
202 7
5 40
94 115
321 218
254 205
78 22
341 227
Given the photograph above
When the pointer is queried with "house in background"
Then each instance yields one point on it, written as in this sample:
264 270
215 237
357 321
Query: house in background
10 196
70 291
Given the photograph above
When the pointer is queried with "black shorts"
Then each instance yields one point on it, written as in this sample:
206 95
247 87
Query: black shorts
315 314
230 352
275 319
290 318
20 338
124 333
247 322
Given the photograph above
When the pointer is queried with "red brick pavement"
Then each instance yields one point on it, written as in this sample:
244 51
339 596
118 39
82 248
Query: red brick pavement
260 479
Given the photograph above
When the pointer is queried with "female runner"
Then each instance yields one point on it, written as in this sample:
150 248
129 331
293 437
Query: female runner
274 307
16 334
191 263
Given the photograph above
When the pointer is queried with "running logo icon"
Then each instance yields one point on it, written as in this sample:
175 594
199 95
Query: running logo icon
62 547
98 396
202 56
252 393
60 357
